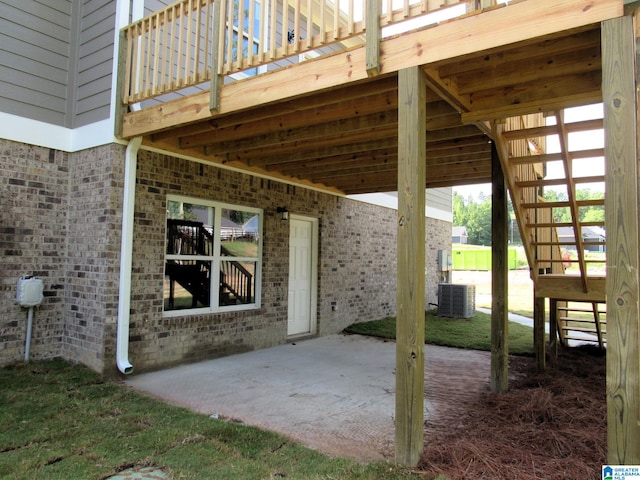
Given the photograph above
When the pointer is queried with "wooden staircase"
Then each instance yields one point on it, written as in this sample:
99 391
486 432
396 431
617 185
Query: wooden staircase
577 294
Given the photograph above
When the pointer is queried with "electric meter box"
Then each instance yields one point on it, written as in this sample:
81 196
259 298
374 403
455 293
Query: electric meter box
30 291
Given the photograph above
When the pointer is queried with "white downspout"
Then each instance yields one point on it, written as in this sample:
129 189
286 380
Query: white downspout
126 256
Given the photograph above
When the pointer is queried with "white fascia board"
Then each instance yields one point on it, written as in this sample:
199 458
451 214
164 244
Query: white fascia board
34 132
439 214
381 199
390 200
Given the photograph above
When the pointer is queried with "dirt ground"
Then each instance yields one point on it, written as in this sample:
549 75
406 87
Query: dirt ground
548 426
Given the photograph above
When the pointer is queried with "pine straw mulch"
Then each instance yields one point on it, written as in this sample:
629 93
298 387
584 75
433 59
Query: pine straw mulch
548 426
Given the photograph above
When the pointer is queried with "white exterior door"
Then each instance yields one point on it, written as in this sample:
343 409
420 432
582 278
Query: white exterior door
303 234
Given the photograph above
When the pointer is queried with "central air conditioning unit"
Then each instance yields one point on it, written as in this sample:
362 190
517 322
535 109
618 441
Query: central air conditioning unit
457 301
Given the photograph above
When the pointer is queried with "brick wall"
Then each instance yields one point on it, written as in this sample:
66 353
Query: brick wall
61 221
356 266
93 254
33 219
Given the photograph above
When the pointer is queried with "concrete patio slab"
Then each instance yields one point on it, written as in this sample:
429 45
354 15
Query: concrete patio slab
335 394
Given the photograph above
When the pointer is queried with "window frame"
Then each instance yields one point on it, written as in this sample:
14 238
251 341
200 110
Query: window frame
216 258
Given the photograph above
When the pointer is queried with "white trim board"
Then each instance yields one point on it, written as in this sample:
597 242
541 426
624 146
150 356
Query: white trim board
34 132
390 200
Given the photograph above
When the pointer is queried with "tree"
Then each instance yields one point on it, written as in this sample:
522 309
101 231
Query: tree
586 214
476 216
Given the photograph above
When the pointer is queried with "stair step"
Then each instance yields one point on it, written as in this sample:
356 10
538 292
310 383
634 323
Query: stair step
581 320
592 202
581 339
586 310
558 181
562 224
582 329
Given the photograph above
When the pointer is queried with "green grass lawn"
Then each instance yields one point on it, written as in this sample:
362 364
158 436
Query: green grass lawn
473 333
62 421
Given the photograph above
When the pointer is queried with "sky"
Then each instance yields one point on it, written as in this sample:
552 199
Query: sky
577 141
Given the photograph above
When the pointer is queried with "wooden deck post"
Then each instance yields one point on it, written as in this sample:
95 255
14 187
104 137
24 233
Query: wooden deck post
373 37
122 64
216 79
553 330
538 332
499 278
621 220
411 264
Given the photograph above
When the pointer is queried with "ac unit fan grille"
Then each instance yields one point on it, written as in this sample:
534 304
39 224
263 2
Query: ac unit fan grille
456 300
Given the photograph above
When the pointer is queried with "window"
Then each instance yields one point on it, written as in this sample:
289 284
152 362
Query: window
208 241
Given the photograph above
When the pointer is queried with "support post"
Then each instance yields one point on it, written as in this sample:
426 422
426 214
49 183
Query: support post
411 266
553 330
499 278
621 220
216 78
538 332
373 35
120 107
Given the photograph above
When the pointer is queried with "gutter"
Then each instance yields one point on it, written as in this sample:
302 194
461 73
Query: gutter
126 256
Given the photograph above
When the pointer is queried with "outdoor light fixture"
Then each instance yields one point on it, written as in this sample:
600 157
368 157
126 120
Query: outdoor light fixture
284 213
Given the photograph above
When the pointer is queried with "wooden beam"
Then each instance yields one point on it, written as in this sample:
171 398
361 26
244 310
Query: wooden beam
301 106
535 97
484 31
569 287
328 153
252 154
531 69
510 174
553 330
621 219
333 112
304 134
411 265
539 332
499 279
587 36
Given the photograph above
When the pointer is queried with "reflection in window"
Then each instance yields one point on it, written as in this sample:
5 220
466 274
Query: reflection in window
204 238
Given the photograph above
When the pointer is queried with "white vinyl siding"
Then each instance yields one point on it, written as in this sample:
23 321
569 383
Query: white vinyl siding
47 75
34 58
440 198
440 203
95 62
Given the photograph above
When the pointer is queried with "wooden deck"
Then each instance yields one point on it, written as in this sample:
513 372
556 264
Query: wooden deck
329 124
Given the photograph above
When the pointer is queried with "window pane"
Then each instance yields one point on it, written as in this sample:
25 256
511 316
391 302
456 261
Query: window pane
239 232
190 211
189 230
187 284
237 282
190 256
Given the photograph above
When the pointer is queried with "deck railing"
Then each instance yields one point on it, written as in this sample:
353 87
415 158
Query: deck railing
181 45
